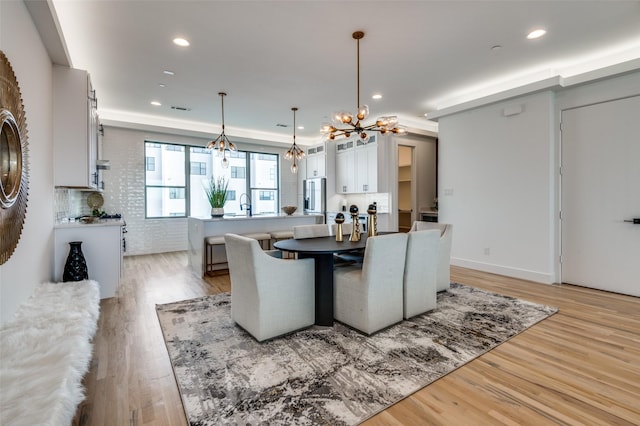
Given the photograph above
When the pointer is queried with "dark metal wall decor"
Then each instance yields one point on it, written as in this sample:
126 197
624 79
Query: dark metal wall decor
14 167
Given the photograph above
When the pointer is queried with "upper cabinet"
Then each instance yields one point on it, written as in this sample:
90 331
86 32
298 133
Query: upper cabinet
366 156
317 161
345 167
75 129
357 166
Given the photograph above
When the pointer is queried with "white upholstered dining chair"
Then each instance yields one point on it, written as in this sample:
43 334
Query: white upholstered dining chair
421 272
369 298
310 231
269 296
444 253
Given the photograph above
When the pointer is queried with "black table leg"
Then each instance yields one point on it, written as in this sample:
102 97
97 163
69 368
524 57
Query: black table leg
324 286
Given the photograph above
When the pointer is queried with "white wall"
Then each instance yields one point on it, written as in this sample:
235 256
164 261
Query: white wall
32 262
124 187
502 176
497 186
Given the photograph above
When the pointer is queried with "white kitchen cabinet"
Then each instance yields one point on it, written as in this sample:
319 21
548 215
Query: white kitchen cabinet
345 167
366 158
102 250
75 129
316 161
357 166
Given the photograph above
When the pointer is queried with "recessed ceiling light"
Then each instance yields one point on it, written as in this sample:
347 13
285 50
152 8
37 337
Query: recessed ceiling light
300 127
162 85
536 33
496 48
156 103
167 72
377 96
181 42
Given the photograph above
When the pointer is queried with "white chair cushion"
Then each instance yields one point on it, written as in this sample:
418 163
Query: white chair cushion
281 235
214 241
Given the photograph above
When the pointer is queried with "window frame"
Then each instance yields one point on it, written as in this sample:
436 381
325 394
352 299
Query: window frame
247 172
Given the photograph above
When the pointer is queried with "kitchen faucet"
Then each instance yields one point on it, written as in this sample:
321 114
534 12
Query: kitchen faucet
246 204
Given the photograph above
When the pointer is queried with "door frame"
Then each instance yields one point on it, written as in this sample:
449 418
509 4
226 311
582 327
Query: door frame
414 178
609 90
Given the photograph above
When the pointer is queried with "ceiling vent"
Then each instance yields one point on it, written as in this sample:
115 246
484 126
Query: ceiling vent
180 108
281 125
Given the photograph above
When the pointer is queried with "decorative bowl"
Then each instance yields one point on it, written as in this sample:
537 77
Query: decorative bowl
289 210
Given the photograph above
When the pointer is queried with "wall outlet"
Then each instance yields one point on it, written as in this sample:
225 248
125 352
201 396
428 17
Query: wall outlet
448 191
487 251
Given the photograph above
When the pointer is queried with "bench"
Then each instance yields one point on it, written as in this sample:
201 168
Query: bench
45 351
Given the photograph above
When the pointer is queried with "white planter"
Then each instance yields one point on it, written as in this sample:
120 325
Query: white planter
217 211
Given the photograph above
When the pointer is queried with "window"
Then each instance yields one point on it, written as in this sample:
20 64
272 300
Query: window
198 168
264 182
176 175
151 164
166 182
266 195
238 172
176 193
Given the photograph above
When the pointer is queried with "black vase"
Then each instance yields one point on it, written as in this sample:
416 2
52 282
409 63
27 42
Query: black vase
75 269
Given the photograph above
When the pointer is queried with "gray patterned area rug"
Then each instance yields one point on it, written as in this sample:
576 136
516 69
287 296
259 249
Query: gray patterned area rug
327 376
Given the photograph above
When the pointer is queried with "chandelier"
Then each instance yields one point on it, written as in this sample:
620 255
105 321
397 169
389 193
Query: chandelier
294 153
348 123
222 143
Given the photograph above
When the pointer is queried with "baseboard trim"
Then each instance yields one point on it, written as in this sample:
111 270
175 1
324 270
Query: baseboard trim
540 277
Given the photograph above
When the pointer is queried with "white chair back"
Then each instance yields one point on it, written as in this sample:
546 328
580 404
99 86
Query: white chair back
444 255
269 296
420 272
370 298
310 231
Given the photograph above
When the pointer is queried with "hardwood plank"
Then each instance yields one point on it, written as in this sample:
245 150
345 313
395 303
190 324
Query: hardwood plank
581 366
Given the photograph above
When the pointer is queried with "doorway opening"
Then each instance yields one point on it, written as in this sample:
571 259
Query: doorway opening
406 187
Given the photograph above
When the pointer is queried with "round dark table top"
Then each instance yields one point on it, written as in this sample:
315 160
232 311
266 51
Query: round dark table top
321 245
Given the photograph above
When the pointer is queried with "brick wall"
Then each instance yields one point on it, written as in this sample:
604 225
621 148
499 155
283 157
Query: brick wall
124 188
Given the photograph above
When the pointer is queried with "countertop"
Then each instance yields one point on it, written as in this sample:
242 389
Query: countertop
226 218
101 222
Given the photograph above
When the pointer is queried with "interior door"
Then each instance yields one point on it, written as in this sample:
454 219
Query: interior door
600 194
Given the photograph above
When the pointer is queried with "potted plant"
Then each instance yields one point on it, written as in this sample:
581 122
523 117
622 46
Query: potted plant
217 195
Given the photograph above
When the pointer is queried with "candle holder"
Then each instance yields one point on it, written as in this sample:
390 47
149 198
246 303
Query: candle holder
339 221
355 232
372 220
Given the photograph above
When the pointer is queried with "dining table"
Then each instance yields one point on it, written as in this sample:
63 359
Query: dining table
322 250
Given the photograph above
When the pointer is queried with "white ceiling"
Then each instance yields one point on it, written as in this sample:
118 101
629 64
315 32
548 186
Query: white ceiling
272 55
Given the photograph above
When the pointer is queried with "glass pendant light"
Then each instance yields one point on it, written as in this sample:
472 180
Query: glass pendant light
222 144
294 153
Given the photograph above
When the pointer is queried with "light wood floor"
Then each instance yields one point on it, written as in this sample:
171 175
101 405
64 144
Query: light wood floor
581 366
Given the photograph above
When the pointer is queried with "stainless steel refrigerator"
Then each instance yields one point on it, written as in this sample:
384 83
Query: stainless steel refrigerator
315 196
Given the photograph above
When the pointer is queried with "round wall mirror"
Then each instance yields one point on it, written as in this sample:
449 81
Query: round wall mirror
14 176
10 159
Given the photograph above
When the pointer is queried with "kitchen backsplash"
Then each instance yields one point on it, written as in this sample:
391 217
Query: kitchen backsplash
382 199
70 203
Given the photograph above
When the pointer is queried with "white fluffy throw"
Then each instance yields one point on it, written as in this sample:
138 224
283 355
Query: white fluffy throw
44 353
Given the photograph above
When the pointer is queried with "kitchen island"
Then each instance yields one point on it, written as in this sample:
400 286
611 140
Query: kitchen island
201 227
